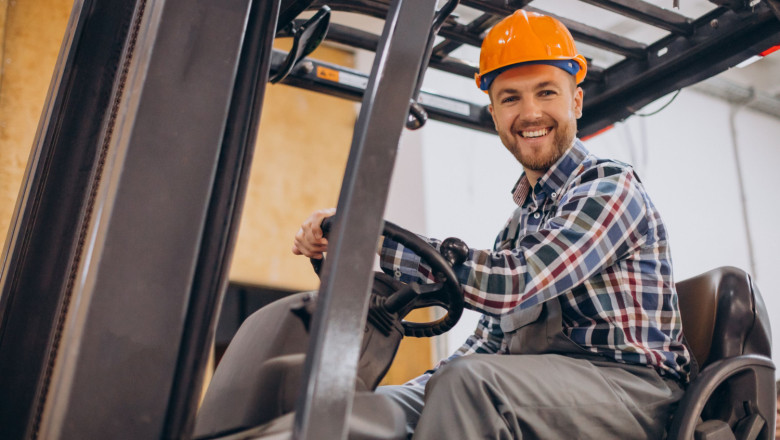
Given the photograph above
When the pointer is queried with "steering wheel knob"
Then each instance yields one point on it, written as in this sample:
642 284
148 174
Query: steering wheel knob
454 250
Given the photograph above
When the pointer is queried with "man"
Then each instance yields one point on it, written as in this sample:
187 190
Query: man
577 294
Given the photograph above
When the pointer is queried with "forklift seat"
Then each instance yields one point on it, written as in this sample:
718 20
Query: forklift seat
727 329
254 389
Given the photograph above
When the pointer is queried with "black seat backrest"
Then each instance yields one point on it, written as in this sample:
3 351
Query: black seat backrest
723 315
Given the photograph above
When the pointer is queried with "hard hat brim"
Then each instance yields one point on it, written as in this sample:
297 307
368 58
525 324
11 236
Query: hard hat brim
576 67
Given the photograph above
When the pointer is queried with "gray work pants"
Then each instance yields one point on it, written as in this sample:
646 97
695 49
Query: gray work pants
560 395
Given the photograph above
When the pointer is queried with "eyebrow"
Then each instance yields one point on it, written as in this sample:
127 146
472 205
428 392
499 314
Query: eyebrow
506 91
546 84
541 85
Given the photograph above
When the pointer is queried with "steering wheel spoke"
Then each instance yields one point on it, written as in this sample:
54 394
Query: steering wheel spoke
416 296
432 295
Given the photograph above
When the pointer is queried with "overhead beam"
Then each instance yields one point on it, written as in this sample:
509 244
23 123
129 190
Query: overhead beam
648 13
581 32
721 39
334 80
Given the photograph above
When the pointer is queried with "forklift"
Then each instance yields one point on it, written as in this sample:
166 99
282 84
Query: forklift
118 254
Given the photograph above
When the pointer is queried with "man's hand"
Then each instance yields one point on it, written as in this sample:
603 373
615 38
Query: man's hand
309 241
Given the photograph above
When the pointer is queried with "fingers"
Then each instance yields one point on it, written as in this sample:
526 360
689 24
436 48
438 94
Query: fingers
308 240
308 247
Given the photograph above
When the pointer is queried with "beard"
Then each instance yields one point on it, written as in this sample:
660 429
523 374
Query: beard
562 140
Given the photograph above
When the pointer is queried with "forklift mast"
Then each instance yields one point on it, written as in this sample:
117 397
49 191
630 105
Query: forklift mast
118 254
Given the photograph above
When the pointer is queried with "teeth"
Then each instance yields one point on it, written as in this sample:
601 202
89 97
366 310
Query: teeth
534 134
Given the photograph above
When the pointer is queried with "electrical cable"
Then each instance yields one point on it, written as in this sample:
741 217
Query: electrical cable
662 108
735 108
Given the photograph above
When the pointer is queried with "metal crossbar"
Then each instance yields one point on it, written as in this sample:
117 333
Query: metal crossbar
648 13
689 50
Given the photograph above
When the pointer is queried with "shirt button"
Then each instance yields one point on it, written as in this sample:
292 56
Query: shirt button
536 215
397 274
554 195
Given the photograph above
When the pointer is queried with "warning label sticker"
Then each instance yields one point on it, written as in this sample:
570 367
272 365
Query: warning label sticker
346 78
328 74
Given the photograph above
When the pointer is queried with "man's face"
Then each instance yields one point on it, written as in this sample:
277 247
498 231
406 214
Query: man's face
535 109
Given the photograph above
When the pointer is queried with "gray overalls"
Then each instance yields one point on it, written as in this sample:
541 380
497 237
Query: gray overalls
548 387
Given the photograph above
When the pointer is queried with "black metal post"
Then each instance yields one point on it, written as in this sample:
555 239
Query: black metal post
44 246
223 217
128 343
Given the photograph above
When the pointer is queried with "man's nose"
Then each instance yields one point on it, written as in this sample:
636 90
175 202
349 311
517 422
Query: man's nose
530 110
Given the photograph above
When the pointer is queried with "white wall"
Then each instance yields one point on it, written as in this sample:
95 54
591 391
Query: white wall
683 154
690 171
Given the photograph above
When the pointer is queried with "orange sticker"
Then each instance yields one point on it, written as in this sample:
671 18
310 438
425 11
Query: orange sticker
329 74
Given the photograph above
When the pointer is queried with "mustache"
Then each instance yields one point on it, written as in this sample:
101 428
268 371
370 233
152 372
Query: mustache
522 125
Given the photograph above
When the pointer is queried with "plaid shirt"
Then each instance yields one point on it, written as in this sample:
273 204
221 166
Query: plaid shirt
587 233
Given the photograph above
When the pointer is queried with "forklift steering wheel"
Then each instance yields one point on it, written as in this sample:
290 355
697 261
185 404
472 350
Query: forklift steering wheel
445 292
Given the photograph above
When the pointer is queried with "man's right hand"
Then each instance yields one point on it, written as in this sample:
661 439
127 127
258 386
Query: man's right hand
309 241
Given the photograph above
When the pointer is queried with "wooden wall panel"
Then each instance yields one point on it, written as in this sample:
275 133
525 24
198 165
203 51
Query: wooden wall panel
299 162
415 355
30 37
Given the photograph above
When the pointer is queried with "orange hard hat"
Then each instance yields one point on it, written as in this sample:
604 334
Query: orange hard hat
528 38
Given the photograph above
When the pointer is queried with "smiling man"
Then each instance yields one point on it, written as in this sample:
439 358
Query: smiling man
535 108
581 335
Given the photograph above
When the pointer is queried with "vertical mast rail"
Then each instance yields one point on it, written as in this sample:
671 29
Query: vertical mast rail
223 217
331 361
128 344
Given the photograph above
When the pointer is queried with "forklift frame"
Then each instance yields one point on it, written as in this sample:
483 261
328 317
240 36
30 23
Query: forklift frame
117 258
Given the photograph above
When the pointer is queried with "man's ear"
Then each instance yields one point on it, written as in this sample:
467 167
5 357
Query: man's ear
492 115
578 95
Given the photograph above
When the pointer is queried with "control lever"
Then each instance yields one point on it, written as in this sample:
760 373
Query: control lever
417 115
306 38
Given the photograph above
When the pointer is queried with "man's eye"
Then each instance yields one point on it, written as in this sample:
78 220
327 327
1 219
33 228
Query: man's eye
547 93
509 99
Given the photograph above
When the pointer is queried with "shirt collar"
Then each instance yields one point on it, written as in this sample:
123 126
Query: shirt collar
555 177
